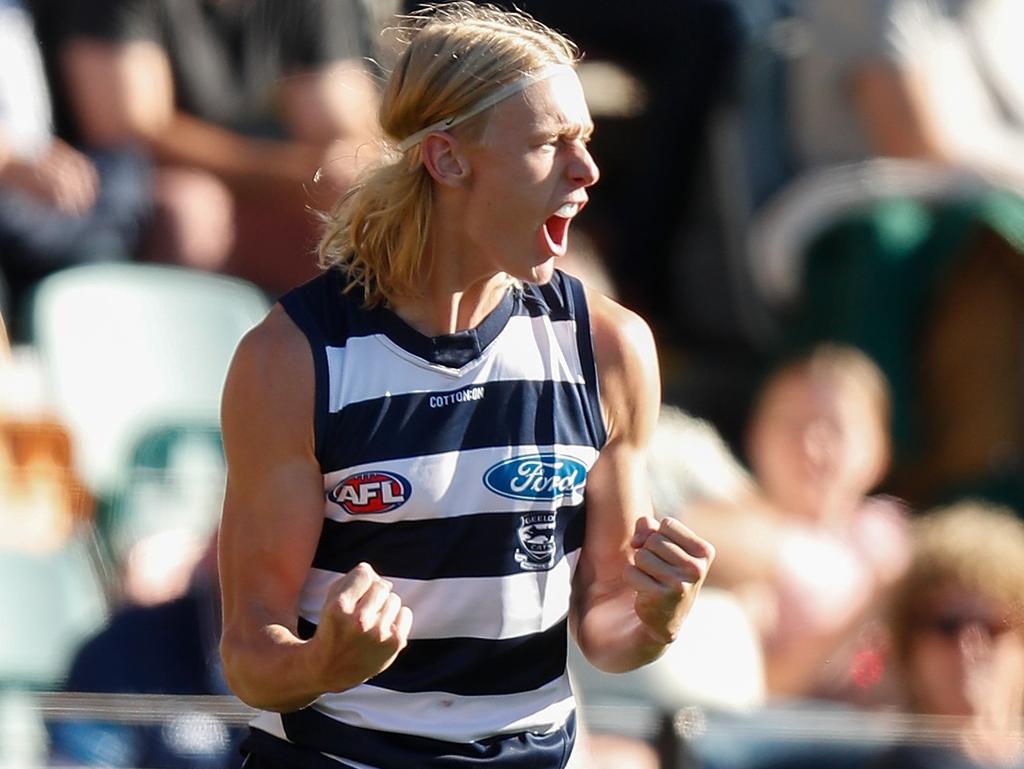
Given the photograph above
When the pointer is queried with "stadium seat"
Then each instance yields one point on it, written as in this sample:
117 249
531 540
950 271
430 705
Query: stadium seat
167 507
52 602
124 347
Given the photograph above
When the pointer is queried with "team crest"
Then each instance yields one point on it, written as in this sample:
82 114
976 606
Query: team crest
371 493
537 546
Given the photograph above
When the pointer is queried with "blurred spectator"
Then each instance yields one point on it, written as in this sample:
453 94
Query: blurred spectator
926 277
253 109
807 550
957 624
58 206
937 80
167 648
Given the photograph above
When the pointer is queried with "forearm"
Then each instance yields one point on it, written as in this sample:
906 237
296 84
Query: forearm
250 166
611 635
269 668
906 118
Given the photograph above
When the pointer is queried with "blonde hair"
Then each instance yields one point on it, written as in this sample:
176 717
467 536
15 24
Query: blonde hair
973 545
455 54
835 361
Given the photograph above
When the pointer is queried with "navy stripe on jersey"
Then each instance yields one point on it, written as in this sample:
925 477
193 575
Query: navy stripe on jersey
585 349
521 413
524 750
323 304
480 545
473 666
302 314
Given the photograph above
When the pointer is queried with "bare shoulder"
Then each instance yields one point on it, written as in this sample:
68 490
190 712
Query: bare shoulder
271 375
627 363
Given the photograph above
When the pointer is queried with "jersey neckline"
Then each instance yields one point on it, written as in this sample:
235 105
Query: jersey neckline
450 350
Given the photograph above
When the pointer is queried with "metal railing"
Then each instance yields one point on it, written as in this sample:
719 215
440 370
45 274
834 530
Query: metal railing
676 736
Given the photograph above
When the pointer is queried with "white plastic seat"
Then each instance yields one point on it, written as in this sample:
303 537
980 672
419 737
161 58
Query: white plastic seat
51 603
127 346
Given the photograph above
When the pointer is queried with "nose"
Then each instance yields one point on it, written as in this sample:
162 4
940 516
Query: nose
583 170
975 641
819 444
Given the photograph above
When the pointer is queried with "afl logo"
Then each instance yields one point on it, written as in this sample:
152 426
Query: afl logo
371 492
538 476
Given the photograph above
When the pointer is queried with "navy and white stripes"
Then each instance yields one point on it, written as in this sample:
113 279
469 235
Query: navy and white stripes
456 466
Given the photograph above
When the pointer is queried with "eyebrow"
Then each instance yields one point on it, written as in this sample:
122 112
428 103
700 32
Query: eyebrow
567 128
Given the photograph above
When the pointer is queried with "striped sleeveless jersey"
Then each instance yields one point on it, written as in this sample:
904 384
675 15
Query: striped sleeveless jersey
456 467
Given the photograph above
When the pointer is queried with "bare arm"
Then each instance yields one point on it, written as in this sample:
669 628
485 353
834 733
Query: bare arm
60 176
746 534
273 513
902 112
124 92
636 580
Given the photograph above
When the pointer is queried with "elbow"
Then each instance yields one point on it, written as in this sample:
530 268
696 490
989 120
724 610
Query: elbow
233 671
237 675
251 677
623 657
624 663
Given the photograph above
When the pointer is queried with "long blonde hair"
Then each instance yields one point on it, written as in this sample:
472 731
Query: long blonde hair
455 55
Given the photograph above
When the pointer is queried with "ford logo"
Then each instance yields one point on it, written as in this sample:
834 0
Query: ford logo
538 476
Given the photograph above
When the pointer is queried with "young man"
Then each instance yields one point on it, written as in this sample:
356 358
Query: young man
436 450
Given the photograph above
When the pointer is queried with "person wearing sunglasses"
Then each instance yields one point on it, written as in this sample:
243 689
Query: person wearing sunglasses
956 619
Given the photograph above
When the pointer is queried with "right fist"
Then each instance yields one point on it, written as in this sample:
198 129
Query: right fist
363 626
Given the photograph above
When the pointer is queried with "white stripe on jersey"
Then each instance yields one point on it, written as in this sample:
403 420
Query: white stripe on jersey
452 717
440 715
434 495
524 350
465 607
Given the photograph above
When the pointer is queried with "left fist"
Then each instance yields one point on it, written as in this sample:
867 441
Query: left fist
670 564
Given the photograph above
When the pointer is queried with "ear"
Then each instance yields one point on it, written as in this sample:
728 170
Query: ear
444 160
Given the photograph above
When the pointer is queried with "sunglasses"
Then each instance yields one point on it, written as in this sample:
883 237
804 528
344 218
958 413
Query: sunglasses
952 625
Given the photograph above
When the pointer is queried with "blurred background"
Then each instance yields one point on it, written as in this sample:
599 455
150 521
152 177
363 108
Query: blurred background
816 204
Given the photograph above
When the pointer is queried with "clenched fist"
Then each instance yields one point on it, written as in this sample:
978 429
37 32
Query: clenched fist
671 563
363 626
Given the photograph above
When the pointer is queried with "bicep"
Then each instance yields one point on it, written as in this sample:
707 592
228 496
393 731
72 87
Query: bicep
618 491
273 508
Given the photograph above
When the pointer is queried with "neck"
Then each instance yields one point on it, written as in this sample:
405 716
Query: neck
459 287
446 309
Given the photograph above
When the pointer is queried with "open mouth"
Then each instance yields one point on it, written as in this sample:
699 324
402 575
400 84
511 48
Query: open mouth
556 228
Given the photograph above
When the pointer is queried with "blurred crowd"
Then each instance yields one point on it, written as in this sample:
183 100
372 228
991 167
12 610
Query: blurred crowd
817 204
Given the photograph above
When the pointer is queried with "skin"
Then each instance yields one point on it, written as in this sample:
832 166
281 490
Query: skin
901 108
972 674
635 580
817 446
124 92
61 176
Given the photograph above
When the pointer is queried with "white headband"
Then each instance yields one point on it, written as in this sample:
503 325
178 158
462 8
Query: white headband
488 101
